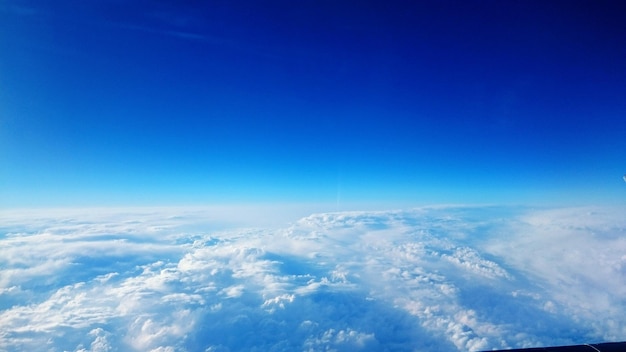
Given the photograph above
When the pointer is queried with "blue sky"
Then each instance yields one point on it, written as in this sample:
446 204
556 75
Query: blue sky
110 103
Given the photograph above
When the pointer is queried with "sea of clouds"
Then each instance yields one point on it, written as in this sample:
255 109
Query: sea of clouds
427 279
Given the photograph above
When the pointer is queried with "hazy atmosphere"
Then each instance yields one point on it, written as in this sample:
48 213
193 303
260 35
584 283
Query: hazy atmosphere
311 175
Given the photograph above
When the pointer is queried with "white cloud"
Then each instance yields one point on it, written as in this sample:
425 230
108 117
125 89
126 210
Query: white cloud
471 260
342 340
426 279
100 342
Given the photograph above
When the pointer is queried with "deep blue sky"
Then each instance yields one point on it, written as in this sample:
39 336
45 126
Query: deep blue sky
156 102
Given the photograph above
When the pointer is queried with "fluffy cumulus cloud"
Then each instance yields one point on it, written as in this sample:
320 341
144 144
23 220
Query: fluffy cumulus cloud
437 278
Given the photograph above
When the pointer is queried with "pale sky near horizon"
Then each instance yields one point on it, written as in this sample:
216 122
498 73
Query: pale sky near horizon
116 103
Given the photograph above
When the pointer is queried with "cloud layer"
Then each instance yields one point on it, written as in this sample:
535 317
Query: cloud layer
439 278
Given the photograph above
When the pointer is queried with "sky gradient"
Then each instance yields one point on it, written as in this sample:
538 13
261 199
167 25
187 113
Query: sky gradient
111 103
